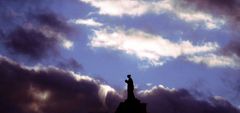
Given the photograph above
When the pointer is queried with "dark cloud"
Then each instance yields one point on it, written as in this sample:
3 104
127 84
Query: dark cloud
53 21
31 28
52 90
48 90
233 47
226 5
161 100
227 9
1 34
15 12
31 43
71 64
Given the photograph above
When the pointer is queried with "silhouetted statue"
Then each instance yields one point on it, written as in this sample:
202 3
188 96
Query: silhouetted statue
130 88
131 104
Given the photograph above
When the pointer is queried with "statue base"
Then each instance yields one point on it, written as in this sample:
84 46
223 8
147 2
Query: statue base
131 106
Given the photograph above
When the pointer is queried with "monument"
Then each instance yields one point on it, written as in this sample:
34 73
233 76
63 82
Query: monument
131 104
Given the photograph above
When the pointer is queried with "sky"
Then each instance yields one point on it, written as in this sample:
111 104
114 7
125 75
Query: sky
71 53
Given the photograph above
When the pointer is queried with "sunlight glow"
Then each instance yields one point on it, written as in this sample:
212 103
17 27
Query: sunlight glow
67 44
104 90
38 94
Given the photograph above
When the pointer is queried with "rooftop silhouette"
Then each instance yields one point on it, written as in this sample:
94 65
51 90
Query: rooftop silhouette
131 104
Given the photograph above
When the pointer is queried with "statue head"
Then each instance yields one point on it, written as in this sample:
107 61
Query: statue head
129 76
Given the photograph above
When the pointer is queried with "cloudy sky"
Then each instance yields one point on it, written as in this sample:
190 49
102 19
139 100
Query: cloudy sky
184 55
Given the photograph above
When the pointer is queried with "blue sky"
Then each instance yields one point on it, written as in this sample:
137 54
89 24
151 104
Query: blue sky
103 55
163 42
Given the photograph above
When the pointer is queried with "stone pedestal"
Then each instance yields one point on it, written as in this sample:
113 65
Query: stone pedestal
131 106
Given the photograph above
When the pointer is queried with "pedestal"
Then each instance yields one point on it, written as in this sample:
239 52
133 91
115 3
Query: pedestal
131 106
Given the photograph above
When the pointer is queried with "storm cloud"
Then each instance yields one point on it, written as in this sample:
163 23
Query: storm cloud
53 21
227 9
48 89
165 100
233 47
32 29
71 64
31 43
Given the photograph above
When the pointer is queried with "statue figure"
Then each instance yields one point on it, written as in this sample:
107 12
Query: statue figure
131 104
130 88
